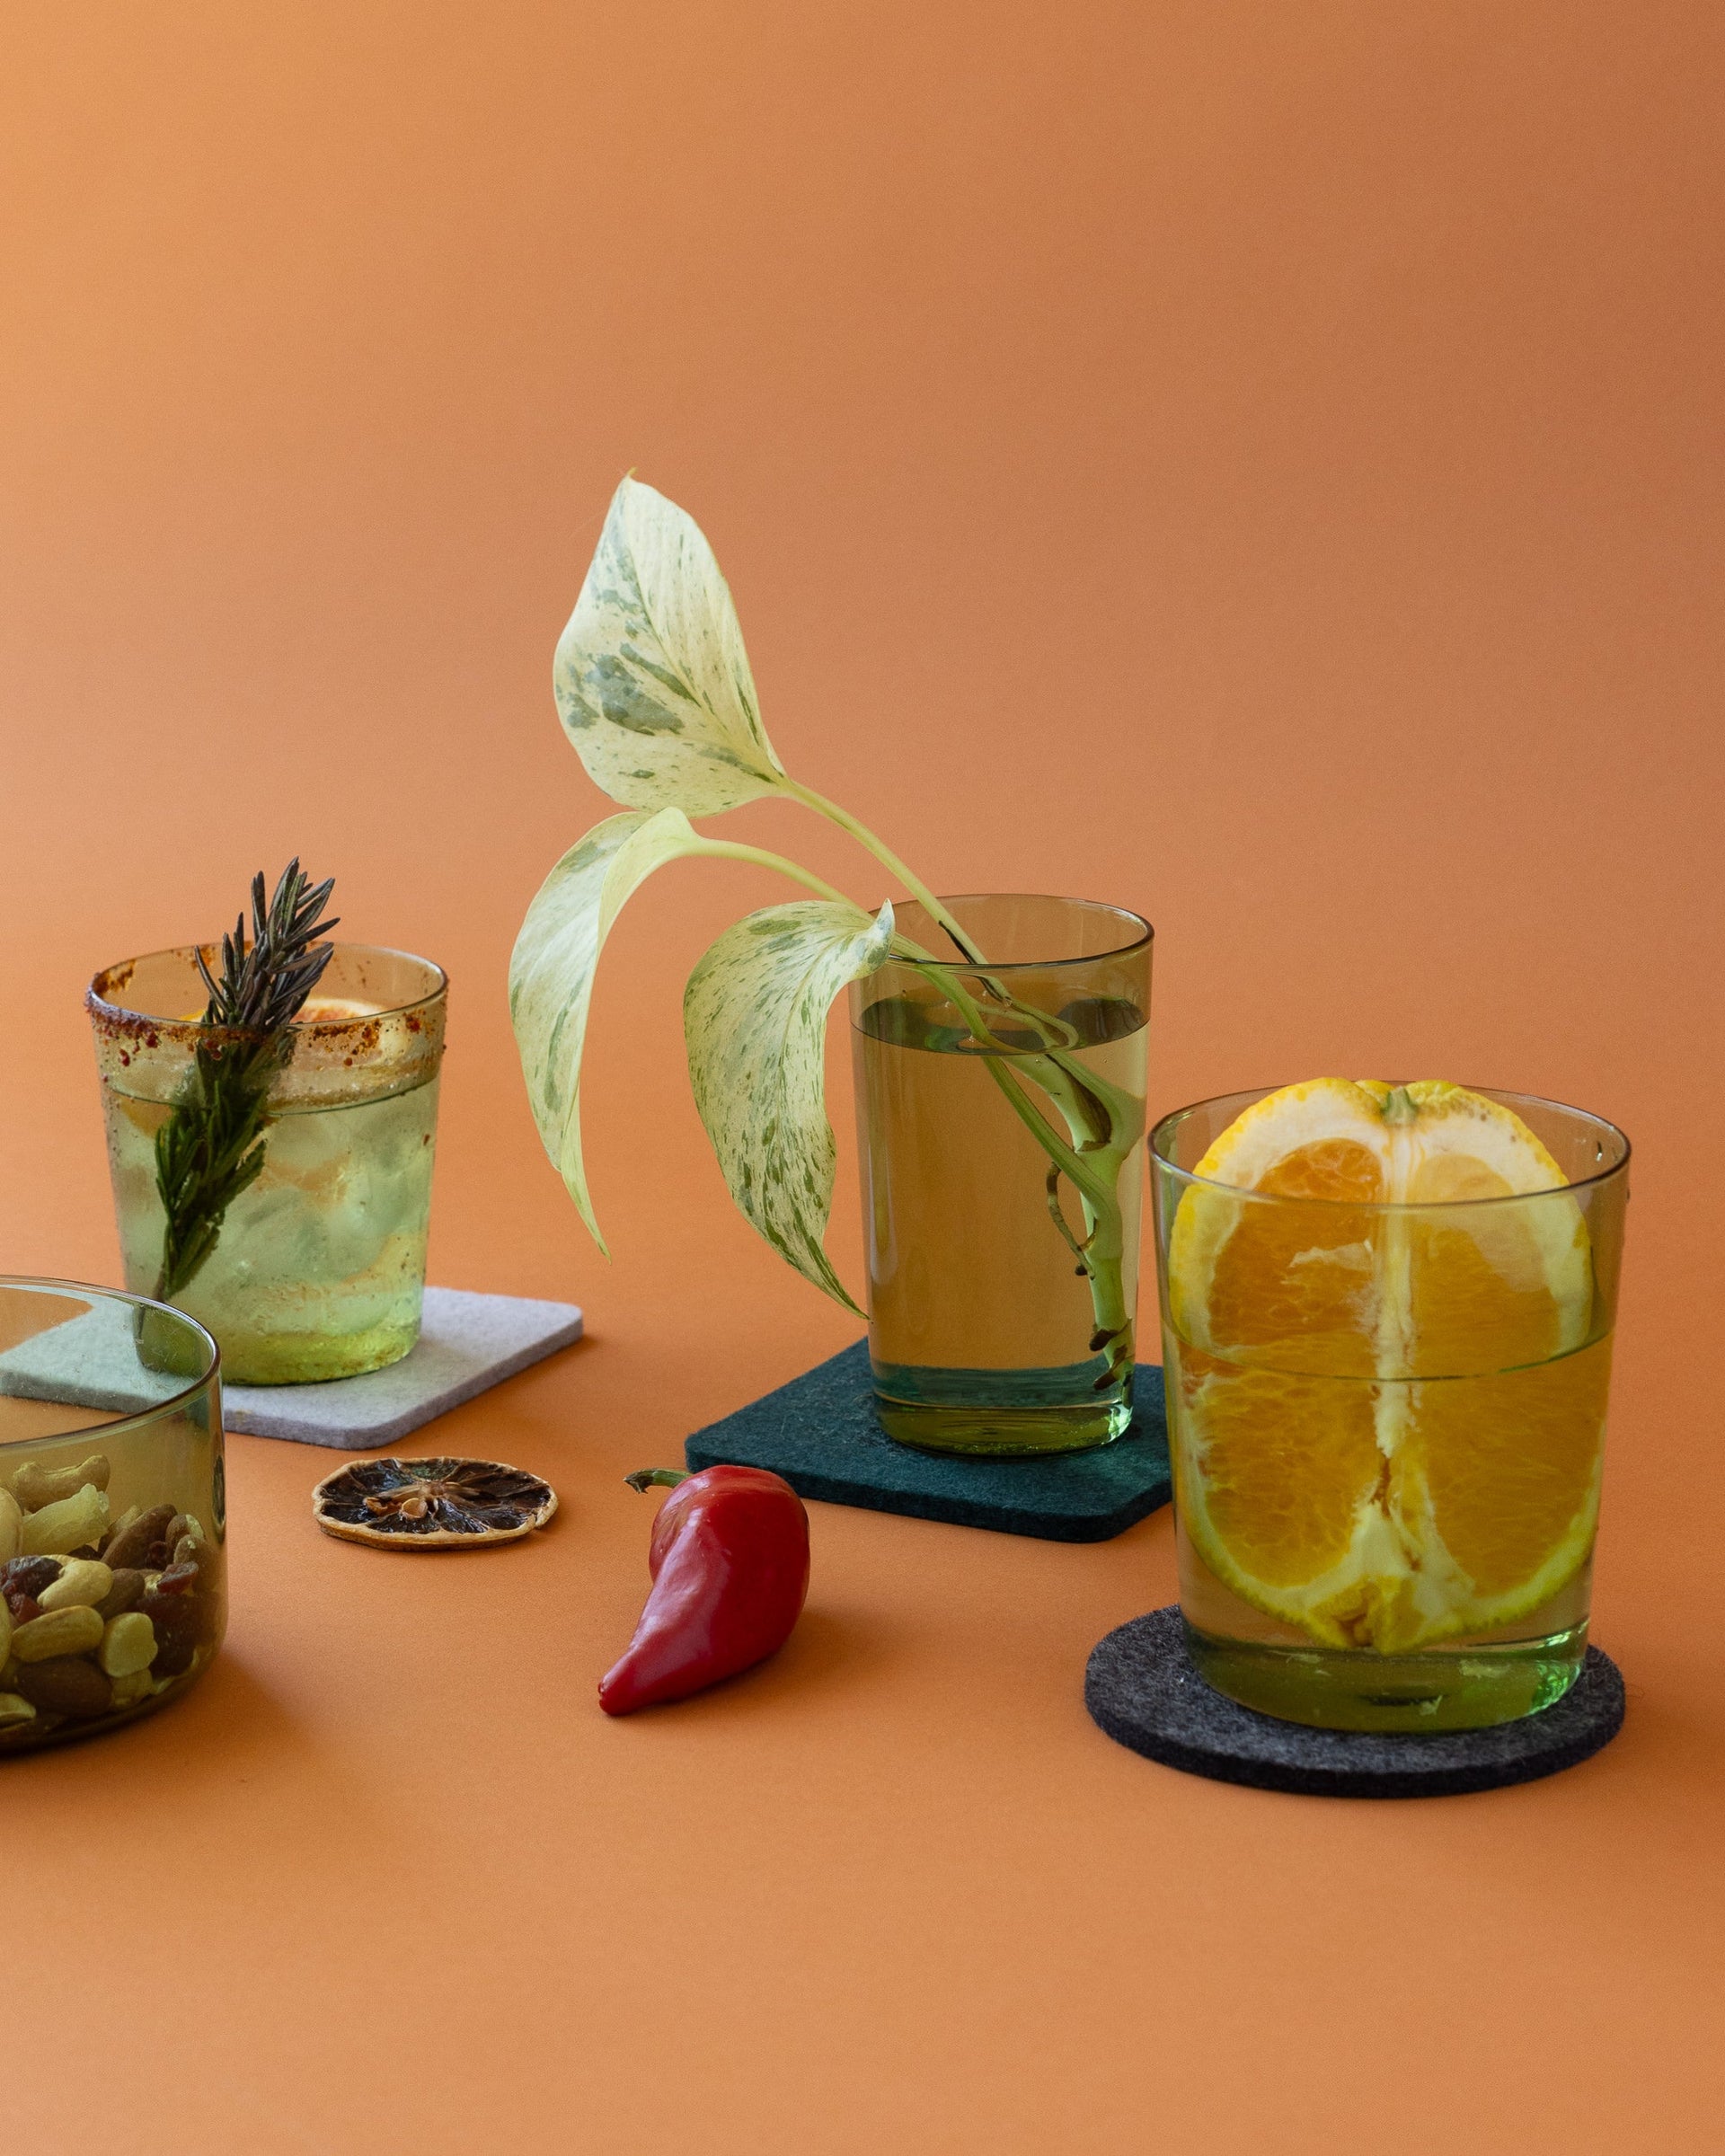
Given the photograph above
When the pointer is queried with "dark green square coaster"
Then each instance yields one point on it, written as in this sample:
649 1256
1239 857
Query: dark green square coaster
820 1434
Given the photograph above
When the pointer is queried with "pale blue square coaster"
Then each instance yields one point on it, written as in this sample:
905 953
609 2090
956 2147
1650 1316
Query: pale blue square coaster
467 1344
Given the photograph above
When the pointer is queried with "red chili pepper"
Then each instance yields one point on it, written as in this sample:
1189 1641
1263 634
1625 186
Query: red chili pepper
729 1563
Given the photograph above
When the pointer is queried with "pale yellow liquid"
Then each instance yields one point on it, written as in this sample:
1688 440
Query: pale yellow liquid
320 1267
1465 1683
979 1321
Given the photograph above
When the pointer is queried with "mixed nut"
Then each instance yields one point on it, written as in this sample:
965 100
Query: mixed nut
98 1613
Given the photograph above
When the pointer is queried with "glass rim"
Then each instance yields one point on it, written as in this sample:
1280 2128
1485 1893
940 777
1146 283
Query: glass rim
96 1001
1165 1125
1090 957
33 1284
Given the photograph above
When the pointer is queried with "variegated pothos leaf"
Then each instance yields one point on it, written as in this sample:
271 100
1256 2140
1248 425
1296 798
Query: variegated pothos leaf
651 679
550 971
755 1019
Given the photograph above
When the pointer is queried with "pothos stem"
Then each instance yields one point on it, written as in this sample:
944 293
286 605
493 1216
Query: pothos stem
725 849
888 859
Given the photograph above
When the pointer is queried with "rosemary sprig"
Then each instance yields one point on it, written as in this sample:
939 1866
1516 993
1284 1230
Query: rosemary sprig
211 1147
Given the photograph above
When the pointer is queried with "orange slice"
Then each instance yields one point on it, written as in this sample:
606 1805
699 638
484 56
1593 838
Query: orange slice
1388 1422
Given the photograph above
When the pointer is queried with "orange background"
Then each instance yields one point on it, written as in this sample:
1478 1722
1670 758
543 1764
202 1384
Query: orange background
1255 463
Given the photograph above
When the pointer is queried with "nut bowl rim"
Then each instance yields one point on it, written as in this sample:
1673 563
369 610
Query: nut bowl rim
209 1383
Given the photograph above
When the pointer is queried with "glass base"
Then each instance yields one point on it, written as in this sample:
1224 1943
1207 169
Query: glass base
30 1736
292 1358
999 1414
1445 1688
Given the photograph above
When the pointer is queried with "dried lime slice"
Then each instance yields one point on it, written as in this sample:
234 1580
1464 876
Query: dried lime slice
431 1504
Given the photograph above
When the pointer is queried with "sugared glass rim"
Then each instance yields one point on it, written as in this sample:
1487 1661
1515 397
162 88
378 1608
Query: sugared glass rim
992 966
1162 1136
125 1014
116 1424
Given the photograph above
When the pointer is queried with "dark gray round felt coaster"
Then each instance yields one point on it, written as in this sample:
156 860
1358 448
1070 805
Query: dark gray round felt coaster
1142 1689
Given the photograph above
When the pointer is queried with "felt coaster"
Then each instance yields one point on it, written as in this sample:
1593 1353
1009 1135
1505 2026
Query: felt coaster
467 1344
820 1434
1142 1689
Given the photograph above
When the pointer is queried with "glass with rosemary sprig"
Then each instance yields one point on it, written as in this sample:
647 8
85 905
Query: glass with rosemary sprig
275 1180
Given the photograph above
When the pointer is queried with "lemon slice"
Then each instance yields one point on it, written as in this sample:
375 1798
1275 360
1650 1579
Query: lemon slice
334 1011
1388 1424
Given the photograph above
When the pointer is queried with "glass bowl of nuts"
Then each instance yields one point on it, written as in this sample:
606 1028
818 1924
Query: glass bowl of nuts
113 1515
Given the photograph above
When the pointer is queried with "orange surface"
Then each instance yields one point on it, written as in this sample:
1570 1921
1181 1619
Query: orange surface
1255 463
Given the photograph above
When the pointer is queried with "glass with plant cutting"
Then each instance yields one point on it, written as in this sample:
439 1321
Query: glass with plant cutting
112 1510
271 1136
1387 1316
1000 1042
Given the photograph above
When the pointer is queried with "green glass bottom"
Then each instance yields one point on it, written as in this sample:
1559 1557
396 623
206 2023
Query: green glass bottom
1000 1414
1453 1688
305 1358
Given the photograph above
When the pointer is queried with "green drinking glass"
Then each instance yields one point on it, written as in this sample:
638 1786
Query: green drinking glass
1387 1414
318 1268
1000 1114
113 1510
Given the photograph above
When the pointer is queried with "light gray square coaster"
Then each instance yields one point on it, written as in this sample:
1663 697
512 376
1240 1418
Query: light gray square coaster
467 1344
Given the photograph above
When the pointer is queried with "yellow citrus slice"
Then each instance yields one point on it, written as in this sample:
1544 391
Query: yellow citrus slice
1387 1422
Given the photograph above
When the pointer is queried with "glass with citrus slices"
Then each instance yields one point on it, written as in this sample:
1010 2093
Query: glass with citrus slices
1387 1320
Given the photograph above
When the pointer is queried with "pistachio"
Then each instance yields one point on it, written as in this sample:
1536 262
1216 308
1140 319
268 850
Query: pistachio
12 1526
67 1685
15 1709
82 1579
132 1545
128 1585
73 1631
35 1486
129 1691
68 1524
127 1645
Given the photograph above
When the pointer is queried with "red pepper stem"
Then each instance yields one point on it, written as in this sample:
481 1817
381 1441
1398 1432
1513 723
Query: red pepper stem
655 1478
